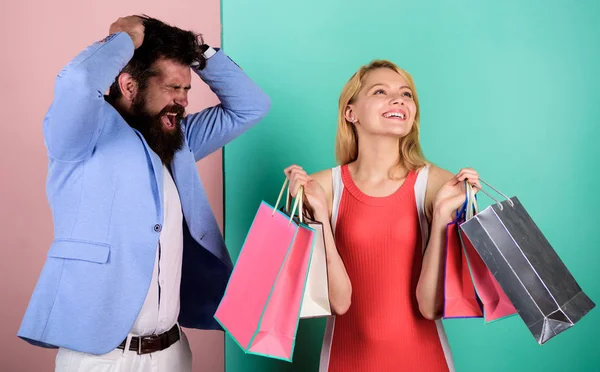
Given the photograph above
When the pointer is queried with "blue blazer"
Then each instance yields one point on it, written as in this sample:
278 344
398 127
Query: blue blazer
104 188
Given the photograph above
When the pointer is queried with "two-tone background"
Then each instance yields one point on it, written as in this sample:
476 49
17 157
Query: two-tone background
510 88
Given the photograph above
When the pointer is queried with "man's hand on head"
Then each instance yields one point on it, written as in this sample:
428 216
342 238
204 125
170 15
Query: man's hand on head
133 26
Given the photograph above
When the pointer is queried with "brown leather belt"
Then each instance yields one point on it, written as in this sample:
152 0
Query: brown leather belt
153 343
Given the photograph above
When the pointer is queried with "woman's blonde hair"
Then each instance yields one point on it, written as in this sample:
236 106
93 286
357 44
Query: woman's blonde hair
346 144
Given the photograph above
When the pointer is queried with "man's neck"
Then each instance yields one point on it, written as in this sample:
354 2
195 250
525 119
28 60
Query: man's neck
119 104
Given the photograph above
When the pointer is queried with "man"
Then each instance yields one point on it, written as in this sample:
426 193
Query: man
137 251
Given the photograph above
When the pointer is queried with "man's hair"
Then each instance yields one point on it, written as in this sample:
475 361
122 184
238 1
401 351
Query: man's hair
161 41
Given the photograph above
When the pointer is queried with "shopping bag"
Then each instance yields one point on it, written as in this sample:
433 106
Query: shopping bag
460 298
496 305
260 309
315 302
544 292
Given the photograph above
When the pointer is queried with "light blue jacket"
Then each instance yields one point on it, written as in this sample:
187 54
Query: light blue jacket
104 188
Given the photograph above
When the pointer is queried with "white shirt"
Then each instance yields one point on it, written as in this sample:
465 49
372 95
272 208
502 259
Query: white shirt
161 307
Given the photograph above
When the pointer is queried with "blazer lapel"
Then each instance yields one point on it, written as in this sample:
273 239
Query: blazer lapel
156 166
184 179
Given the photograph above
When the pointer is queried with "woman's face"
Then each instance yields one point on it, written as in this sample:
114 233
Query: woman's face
384 106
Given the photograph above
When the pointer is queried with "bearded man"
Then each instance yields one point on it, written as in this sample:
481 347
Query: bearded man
137 251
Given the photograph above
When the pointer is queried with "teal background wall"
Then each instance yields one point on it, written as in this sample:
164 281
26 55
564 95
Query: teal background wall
510 88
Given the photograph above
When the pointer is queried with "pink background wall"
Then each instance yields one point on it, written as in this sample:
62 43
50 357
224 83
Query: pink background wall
38 38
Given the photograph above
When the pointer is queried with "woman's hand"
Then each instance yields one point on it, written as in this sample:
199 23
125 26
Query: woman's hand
452 194
316 199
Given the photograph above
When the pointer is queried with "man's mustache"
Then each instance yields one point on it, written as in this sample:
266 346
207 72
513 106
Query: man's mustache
173 109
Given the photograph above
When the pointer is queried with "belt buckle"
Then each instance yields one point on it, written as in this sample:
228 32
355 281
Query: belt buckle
139 348
141 338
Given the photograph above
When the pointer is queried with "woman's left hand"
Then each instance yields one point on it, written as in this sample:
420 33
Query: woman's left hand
452 194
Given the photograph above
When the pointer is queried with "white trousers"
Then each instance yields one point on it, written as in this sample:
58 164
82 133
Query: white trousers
176 358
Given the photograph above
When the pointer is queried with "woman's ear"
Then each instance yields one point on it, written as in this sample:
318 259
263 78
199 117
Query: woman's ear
349 114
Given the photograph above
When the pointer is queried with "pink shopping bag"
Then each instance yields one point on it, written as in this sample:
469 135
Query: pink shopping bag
460 299
496 304
261 306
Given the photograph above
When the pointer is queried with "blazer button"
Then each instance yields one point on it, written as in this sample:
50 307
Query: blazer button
157 227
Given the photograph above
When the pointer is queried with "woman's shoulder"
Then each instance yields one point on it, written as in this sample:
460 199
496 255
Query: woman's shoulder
437 177
324 178
435 174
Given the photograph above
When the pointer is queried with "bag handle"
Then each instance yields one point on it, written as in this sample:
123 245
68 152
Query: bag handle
469 207
472 208
494 199
297 202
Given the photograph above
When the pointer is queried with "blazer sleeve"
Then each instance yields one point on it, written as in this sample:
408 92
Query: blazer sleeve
75 118
243 104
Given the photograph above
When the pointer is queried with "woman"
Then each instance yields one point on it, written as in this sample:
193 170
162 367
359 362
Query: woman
388 210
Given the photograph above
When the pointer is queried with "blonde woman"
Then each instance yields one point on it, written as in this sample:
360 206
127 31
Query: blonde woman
385 211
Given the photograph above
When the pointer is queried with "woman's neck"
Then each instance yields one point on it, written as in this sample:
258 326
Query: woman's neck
378 159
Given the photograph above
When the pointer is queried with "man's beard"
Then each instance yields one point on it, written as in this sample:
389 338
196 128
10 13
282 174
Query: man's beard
164 142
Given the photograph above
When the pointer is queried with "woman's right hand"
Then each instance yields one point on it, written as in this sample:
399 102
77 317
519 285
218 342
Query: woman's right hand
315 199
